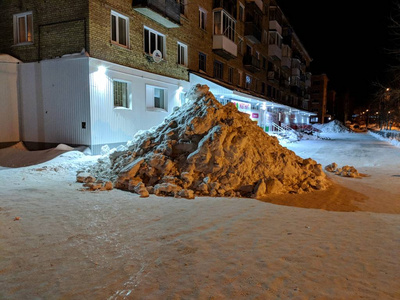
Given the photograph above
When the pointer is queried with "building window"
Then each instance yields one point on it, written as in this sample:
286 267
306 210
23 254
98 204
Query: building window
248 82
119 29
240 45
182 4
202 62
263 88
275 39
218 69
121 95
23 28
153 41
241 11
230 75
182 54
224 25
202 18
156 98
264 63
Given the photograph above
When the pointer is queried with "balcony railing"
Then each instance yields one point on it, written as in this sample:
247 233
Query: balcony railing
286 62
164 12
251 63
224 47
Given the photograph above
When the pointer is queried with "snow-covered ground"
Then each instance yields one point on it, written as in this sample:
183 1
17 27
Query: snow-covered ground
58 241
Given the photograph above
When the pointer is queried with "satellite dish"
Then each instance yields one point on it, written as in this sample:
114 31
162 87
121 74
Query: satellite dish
157 56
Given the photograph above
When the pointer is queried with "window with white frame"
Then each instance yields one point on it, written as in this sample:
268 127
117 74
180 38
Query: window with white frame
153 40
119 29
241 11
202 18
182 54
121 94
224 25
275 38
23 28
156 98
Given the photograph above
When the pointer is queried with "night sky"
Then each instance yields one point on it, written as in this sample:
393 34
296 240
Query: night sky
348 43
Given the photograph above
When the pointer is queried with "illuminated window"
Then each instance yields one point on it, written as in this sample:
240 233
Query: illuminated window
119 29
182 54
218 69
156 98
23 28
248 82
202 62
202 18
121 95
153 41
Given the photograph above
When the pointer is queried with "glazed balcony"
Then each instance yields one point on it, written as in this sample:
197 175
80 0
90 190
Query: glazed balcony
251 63
224 47
164 12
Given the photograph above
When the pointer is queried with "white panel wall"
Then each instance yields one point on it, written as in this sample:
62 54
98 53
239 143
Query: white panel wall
9 128
112 125
55 101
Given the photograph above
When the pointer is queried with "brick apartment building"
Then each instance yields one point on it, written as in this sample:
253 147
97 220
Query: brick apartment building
319 98
95 72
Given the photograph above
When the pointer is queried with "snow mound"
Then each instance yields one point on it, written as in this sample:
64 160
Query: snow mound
206 148
334 126
345 171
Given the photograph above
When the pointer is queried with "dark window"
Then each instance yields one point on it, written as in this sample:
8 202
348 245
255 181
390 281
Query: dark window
230 75
202 61
218 69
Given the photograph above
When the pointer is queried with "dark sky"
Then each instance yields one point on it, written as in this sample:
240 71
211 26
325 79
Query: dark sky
347 42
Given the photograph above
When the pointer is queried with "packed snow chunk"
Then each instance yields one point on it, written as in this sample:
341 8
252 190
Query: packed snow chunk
206 148
345 171
334 126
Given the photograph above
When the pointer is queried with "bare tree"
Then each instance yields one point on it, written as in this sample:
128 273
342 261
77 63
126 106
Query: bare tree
385 106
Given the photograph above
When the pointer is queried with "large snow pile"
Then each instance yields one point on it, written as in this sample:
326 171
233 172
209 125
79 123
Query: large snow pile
334 126
206 148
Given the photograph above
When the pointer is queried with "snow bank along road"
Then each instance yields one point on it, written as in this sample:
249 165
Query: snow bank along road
71 244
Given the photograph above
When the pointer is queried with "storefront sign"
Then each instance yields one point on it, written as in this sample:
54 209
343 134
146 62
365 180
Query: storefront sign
242 105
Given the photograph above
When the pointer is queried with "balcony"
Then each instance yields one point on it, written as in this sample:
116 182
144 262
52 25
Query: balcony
251 63
295 71
224 47
164 12
286 62
252 32
274 25
229 6
275 52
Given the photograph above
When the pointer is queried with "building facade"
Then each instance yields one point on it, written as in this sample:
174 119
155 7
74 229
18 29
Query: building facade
319 98
95 72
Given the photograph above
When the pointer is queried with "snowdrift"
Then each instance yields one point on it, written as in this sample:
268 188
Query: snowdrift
206 148
334 126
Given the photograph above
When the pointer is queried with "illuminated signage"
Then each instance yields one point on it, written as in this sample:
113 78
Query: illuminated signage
242 105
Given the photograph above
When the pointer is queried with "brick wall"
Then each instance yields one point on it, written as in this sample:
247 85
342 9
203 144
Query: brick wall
58 28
